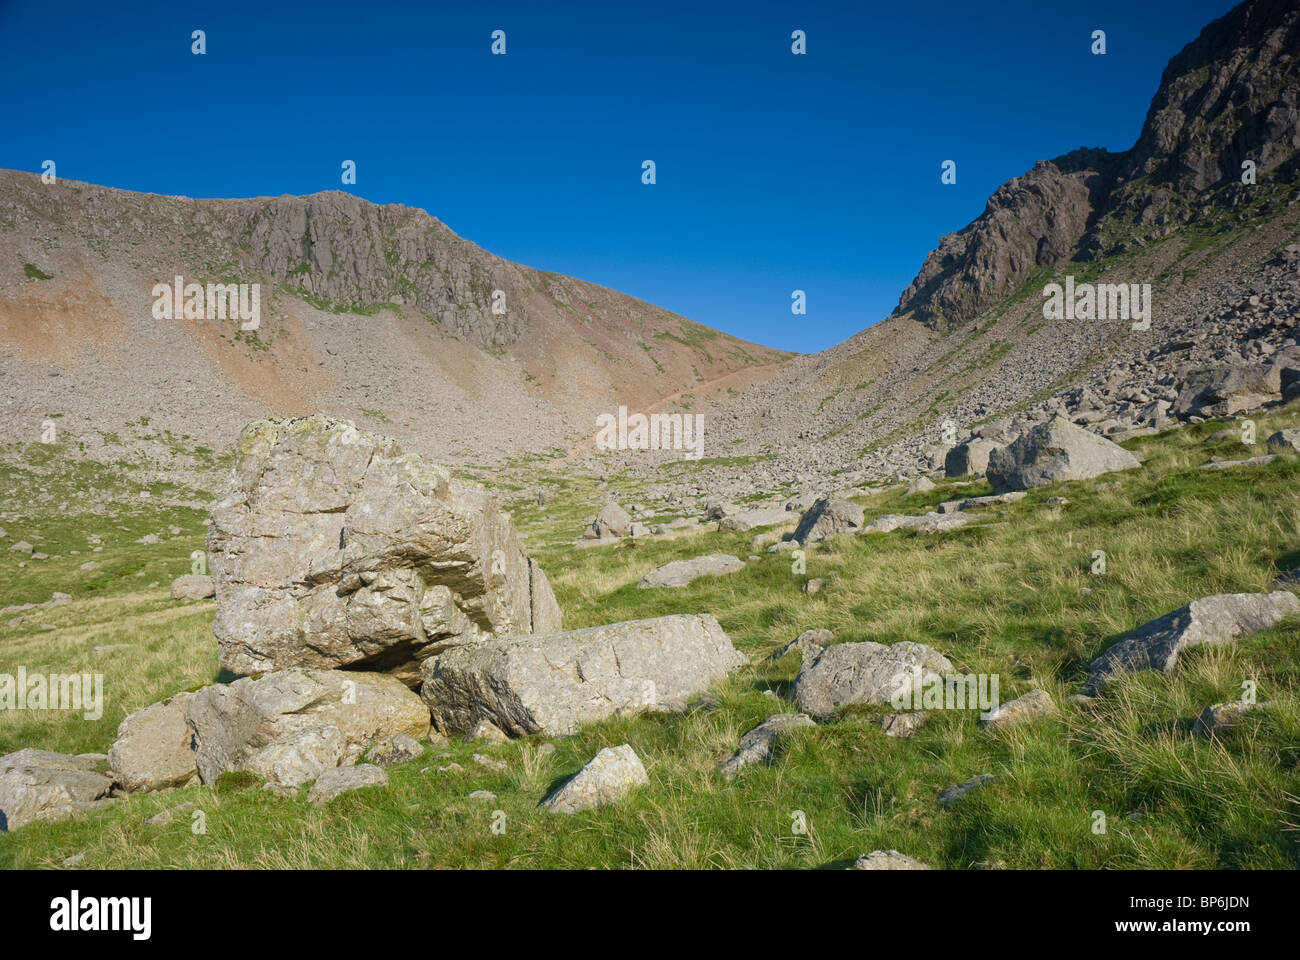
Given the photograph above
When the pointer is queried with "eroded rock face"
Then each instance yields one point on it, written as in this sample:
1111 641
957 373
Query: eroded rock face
554 684
1217 619
291 725
862 673
333 548
1052 451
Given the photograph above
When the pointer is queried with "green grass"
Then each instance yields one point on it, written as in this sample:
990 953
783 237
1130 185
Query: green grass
1010 595
34 272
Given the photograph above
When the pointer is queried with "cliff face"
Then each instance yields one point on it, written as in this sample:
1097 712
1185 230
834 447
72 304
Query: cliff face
1031 221
1229 96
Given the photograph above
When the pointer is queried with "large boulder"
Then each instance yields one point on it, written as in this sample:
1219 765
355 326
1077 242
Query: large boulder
866 672
969 458
334 548
153 750
1217 619
291 725
681 573
1052 451
826 518
554 684
612 521
42 785
1224 390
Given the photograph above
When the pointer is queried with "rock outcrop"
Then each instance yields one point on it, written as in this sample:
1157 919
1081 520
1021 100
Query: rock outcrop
42 785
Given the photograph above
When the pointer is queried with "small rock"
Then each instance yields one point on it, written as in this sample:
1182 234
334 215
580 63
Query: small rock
606 778
1035 703
888 860
959 790
902 725
339 780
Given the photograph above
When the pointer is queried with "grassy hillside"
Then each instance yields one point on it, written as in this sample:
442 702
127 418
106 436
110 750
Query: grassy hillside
1011 595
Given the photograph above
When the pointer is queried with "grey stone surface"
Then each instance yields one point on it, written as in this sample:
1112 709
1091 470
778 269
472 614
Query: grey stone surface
862 673
681 573
153 749
826 518
888 860
1035 703
605 779
556 683
1053 451
758 745
290 725
1218 619
42 785
337 780
334 548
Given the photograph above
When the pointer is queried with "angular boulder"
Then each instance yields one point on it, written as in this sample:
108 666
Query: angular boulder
759 744
153 749
554 684
969 458
605 779
42 785
291 725
1224 390
612 521
681 573
333 548
1053 451
826 518
1217 619
863 673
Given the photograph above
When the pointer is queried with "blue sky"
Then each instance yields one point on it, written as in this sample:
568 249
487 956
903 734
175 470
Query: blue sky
774 172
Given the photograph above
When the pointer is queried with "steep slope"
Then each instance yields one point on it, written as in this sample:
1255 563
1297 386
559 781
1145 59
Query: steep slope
969 342
377 313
